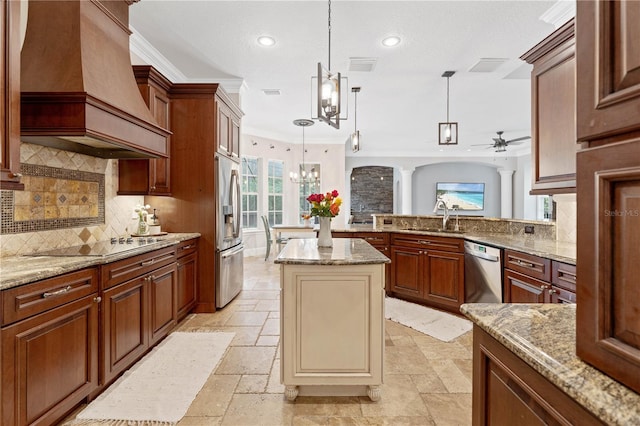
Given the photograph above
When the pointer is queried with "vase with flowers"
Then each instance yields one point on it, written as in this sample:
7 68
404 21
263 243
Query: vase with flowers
325 206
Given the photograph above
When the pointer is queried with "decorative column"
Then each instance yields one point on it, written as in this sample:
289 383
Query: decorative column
506 193
406 175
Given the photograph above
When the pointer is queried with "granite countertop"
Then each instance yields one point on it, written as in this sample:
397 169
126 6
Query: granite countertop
19 270
345 251
550 249
544 336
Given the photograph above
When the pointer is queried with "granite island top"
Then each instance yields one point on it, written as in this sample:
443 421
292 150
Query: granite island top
345 251
19 270
544 336
550 249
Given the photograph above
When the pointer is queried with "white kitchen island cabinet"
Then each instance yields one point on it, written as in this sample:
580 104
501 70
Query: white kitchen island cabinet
332 318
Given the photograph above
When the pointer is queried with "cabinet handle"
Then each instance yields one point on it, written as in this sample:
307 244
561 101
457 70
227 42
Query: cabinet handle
424 242
56 292
186 247
16 175
153 188
527 264
150 278
544 287
148 262
552 291
97 299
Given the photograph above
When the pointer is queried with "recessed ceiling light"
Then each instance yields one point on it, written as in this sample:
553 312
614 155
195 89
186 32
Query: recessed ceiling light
266 41
391 41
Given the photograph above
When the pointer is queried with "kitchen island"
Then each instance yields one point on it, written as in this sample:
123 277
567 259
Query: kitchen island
526 370
332 318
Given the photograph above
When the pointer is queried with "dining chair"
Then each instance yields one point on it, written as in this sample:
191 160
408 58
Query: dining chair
267 233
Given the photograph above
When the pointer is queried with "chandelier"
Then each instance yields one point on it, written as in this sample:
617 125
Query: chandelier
312 175
448 132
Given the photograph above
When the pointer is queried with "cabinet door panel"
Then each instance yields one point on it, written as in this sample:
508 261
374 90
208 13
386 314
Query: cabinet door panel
224 120
186 293
163 302
608 63
405 266
52 361
522 289
444 281
125 319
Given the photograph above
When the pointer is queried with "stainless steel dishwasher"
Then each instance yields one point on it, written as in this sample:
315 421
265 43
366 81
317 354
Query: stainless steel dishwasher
482 273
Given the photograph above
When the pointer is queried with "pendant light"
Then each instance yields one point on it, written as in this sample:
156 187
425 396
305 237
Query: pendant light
329 89
304 177
448 131
355 136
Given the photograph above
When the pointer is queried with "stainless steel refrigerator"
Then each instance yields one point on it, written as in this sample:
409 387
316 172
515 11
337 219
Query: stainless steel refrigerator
229 248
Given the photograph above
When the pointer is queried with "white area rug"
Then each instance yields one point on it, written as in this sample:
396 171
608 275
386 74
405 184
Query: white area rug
159 388
440 325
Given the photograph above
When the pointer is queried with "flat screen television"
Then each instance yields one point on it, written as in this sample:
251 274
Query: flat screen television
465 195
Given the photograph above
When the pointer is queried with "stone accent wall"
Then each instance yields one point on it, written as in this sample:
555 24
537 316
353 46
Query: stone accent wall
371 192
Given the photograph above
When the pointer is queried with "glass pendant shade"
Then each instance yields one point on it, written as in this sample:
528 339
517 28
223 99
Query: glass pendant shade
355 141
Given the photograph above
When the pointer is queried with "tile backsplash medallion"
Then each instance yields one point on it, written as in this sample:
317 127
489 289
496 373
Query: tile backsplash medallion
69 199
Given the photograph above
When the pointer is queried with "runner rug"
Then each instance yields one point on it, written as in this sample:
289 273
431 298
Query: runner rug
159 389
438 324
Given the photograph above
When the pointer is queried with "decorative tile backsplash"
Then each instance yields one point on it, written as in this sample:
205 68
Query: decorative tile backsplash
69 199
53 198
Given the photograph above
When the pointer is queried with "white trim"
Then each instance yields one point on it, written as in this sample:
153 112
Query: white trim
560 13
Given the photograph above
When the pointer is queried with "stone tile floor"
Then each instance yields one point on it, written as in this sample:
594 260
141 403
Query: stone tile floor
426 381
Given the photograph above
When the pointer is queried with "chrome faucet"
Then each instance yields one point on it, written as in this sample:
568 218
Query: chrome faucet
445 216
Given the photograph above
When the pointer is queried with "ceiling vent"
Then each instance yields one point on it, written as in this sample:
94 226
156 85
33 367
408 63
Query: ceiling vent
362 64
271 92
487 64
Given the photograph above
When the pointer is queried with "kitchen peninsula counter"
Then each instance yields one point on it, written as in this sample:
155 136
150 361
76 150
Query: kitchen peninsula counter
19 270
544 247
544 337
332 318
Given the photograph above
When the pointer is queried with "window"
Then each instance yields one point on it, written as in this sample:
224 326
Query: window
275 191
249 192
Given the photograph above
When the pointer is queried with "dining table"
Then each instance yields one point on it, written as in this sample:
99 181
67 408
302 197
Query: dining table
279 229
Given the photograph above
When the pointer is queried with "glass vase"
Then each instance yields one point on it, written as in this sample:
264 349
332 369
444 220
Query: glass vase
324 235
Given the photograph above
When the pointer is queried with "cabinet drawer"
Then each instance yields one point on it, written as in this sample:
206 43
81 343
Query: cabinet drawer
528 264
429 242
376 239
560 295
126 269
31 299
563 275
187 247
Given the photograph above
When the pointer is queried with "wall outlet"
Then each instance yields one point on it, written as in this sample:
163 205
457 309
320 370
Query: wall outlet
387 221
528 229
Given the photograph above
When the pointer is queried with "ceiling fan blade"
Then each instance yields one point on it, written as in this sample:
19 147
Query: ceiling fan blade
482 144
519 139
514 143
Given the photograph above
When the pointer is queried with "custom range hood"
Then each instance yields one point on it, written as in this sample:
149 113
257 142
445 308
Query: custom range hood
78 91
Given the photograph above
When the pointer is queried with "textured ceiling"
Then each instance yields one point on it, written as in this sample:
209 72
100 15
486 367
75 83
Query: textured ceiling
402 99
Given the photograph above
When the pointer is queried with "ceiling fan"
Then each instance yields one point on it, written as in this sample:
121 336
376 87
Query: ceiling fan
500 144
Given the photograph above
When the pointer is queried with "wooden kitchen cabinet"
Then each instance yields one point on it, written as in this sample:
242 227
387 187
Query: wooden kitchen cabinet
194 144
608 318
149 176
139 308
228 130
187 269
553 112
49 347
507 391
428 270
533 279
10 96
